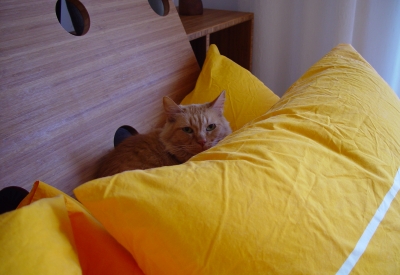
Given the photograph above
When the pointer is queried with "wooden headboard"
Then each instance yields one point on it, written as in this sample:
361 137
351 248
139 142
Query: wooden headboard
63 96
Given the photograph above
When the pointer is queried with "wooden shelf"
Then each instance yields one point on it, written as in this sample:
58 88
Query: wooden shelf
231 31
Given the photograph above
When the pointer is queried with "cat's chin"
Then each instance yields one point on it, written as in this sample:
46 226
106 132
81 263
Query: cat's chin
184 157
204 148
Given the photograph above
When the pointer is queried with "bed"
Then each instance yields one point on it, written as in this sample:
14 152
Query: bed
306 184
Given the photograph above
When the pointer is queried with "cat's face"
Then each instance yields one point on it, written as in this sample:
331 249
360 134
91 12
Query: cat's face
194 128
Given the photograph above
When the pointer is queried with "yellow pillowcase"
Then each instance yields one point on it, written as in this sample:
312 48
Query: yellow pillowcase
91 241
38 239
246 97
293 192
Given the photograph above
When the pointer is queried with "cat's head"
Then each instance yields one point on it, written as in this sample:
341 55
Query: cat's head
191 129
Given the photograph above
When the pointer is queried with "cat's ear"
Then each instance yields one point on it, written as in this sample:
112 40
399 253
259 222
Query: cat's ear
171 108
218 103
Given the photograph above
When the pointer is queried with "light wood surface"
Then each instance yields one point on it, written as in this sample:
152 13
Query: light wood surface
231 31
62 97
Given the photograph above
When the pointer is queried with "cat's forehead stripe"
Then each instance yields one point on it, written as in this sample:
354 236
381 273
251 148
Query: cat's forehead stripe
198 119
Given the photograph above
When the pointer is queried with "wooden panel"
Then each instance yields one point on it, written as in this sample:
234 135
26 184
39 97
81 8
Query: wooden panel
62 97
231 31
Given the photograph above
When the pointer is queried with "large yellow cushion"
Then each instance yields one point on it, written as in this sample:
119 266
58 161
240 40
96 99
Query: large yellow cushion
246 96
291 193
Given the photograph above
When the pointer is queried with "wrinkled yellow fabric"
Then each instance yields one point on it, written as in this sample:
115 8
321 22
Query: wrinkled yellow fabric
38 239
290 193
246 96
98 252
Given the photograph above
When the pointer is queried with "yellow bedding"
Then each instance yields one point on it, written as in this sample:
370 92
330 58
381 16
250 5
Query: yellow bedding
309 187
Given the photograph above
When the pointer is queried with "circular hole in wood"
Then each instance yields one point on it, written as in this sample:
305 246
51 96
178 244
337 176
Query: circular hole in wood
161 7
10 197
122 133
73 16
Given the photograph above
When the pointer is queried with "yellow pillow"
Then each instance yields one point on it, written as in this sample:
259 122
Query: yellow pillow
38 239
91 240
306 188
246 97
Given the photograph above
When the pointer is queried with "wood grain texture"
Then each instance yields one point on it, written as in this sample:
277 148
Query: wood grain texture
62 97
231 31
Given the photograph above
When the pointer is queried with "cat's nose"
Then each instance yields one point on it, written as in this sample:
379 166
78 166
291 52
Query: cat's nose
201 142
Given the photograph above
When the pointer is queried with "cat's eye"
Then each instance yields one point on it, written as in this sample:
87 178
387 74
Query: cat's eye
211 127
187 130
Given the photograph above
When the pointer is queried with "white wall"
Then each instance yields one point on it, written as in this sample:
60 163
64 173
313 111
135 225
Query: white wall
289 36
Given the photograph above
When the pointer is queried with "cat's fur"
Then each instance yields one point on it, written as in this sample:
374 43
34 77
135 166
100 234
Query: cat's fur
188 131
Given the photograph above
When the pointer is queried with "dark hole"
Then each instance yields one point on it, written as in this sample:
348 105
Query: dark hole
161 7
73 16
122 133
10 197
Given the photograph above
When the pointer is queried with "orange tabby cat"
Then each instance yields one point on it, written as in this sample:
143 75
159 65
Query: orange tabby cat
189 130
